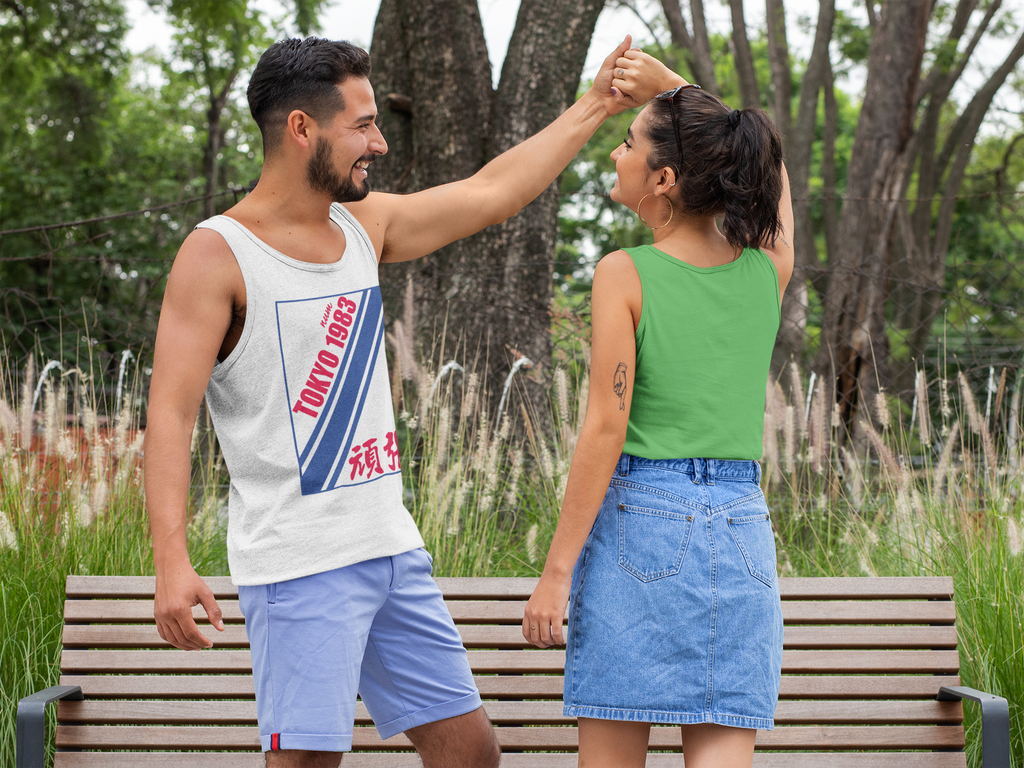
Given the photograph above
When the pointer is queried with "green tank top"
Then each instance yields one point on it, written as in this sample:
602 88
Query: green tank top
703 347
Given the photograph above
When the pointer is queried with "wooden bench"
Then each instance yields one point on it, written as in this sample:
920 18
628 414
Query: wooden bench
864 662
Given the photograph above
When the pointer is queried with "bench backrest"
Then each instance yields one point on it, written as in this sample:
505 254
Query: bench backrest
863 661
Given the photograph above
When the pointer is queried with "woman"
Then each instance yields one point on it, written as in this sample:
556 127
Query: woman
675 614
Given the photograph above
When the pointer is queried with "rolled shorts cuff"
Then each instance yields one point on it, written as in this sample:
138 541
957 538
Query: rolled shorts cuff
669 718
453 708
313 742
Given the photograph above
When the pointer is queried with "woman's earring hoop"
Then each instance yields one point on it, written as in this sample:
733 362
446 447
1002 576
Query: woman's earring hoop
671 213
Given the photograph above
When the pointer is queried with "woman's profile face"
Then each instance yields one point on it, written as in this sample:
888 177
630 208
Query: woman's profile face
632 172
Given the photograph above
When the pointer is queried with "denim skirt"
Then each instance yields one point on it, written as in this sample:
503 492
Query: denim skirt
674 614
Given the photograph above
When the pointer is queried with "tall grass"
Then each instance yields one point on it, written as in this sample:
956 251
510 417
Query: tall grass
904 497
931 489
71 502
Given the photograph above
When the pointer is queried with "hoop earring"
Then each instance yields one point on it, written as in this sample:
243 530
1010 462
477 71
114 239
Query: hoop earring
671 213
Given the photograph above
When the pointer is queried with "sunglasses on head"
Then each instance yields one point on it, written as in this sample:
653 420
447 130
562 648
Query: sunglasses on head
671 96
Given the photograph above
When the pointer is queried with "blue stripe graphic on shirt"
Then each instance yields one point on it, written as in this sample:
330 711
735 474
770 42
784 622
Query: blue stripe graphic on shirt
344 368
323 456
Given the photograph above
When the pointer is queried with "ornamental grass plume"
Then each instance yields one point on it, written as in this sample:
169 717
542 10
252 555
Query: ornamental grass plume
797 398
896 474
1013 428
882 410
978 425
8 540
855 477
531 544
789 439
943 467
26 427
924 422
515 472
819 429
470 395
944 408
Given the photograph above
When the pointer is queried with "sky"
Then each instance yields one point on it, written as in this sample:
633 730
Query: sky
353 20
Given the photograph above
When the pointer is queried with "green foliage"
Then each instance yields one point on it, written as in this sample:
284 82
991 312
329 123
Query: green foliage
83 135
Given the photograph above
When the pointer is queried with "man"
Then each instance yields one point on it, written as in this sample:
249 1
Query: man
274 311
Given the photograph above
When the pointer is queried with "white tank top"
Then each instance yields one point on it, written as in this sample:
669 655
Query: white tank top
303 413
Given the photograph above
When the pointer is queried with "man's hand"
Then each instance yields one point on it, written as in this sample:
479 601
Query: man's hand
176 594
542 621
640 77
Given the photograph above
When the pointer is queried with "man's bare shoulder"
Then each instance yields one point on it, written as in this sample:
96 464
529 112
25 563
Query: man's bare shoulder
206 251
375 213
205 269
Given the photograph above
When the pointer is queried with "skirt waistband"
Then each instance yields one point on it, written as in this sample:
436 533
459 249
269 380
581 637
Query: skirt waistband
706 470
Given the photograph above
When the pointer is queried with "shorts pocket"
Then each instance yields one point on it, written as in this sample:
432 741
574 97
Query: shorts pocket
756 541
652 542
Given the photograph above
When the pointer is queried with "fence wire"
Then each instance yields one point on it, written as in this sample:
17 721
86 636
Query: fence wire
98 282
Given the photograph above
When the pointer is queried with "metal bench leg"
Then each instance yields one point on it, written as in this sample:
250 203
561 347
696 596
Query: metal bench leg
31 749
995 723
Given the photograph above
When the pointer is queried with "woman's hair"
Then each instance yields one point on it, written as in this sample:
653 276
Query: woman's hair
731 162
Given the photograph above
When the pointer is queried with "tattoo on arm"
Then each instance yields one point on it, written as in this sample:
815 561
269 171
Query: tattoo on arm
619 385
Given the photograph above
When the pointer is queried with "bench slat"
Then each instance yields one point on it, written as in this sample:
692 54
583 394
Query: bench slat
504 686
536 661
501 713
791 588
512 760
511 611
516 739
509 636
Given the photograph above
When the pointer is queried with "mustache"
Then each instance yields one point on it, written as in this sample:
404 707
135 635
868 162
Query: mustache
366 159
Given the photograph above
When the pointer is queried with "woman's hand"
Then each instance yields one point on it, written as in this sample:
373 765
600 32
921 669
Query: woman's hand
640 77
542 621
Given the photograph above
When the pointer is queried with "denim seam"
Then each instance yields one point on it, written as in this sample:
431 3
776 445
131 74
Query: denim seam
578 608
658 492
713 633
741 500
756 573
666 716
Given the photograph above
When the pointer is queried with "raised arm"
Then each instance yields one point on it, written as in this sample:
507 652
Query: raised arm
781 251
616 299
405 227
194 319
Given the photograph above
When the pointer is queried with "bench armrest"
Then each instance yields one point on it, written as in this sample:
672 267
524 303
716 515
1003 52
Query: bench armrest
31 749
995 723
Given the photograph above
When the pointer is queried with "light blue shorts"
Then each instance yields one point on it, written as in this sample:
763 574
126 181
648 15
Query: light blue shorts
675 615
379 628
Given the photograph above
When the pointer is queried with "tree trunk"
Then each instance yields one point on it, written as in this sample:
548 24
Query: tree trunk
928 267
539 81
800 139
702 46
491 292
743 58
698 57
852 334
778 57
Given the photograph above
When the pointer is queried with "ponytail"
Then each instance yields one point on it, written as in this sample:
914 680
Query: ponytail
731 163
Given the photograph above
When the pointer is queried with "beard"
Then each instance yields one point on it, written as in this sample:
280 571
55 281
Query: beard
323 178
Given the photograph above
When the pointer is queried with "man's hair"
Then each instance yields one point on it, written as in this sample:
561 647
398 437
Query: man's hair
301 74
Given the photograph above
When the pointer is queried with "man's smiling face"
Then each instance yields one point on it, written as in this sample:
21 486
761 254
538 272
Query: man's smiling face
347 145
